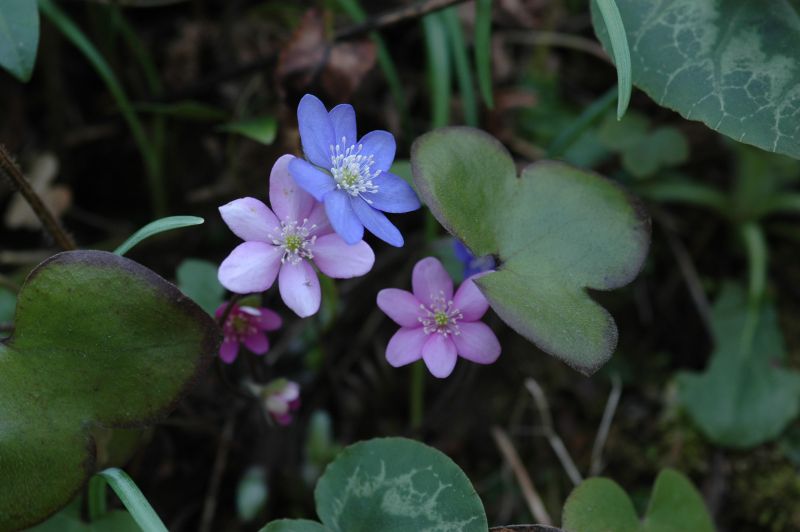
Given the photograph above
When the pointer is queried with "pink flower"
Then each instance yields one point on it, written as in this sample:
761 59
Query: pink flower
434 324
282 242
281 398
246 325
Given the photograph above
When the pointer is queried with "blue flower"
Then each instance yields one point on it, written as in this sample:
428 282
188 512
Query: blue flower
348 175
472 264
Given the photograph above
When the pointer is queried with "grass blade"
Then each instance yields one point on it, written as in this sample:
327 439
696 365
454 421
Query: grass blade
438 68
134 501
158 226
148 152
483 49
586 119
757 255
466 83
619 50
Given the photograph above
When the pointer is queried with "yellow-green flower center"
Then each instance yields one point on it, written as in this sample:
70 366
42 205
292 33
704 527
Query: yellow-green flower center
293 243
441 318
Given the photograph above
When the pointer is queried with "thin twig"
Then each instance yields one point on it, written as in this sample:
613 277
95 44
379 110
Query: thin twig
605 426
220 462
389 18
18 181
529 492
550 433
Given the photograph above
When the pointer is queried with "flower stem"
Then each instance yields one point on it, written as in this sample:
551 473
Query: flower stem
49 222
417 394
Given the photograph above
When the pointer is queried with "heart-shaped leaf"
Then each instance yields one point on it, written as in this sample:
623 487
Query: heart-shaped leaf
99 341
601 505
392 485
744 397
727 63
19 37
556 231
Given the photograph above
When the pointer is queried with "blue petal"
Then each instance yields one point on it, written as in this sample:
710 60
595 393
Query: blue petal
394 194
310 178
343 118
342 218
381 145
376 222
316 130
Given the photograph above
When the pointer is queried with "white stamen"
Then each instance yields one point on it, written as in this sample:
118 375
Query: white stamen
296 241
441 316
352 171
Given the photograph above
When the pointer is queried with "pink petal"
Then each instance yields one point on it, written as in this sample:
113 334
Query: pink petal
257 343
221 309
400 305
289 201
250 219
477 342
228 351
299 288
470 301
439 354
430 280
251 267
405 346
269 320
319 219
335 258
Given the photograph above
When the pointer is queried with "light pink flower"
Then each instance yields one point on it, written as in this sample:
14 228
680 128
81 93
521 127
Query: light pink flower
281 398
436 325
282 243
245 325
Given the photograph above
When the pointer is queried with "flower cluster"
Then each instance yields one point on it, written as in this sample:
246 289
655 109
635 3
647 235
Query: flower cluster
245 325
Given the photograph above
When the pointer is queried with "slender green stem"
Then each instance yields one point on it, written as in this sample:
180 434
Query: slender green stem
132 498
757 256
417 394
585 120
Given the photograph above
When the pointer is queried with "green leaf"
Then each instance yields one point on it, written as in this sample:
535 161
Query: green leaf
251 493
198 279
556 231
438 58
615 30
19 37
483 49
186 110
728 63
743 398
99 341
392 485
397 485
159 226
133 499
601 505
260 129
294 525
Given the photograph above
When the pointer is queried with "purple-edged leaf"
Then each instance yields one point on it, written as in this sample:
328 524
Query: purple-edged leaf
556 230
99 342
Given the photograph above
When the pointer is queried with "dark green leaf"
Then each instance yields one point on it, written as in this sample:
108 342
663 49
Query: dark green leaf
262 129
294 525
99 340
19 37
556 230
198 279
397 485
743 398
728 63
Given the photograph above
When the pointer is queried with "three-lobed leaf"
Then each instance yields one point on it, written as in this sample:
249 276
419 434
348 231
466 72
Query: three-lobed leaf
601 505
744 398
99 341
392 485
556 230
19 37
728 63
